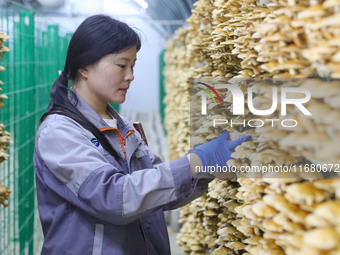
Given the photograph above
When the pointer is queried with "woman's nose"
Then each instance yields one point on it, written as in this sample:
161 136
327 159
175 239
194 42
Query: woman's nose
129 75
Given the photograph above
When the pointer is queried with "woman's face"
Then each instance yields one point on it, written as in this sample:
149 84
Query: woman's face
109 79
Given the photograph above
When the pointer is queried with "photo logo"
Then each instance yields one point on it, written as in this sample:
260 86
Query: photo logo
280 96
213 90
239 99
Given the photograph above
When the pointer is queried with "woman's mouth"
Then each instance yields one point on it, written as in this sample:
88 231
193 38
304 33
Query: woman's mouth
123 90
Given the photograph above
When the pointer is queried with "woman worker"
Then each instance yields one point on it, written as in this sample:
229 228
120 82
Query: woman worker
100 190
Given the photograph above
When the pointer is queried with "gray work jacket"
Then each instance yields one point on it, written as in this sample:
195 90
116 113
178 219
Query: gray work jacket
91 203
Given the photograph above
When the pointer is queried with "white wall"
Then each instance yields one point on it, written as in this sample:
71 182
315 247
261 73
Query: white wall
143 95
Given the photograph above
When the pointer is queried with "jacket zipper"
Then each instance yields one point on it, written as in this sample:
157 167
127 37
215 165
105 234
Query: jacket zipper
124 141
124 151
120 138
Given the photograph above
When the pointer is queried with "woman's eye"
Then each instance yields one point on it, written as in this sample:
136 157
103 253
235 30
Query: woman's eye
122 66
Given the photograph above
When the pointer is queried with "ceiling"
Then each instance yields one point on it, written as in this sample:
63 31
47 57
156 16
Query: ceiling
170 14
166 16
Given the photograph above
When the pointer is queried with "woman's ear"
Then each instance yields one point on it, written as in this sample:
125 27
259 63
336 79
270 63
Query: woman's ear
83 72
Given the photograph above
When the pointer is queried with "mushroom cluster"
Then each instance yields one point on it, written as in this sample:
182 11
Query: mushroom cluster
4 135
293 216
211 222
3 50
299 39
177 95
4 195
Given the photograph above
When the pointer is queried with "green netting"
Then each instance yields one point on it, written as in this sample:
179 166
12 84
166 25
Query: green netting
37 53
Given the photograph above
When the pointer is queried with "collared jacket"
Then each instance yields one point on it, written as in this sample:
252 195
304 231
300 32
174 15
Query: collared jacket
91 203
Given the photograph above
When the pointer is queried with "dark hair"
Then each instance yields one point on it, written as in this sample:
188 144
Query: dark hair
95 37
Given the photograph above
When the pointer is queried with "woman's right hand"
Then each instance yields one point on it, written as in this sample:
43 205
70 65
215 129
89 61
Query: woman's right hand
215 154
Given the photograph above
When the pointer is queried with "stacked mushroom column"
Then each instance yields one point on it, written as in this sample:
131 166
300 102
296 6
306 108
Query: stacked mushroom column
256 39
4 135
